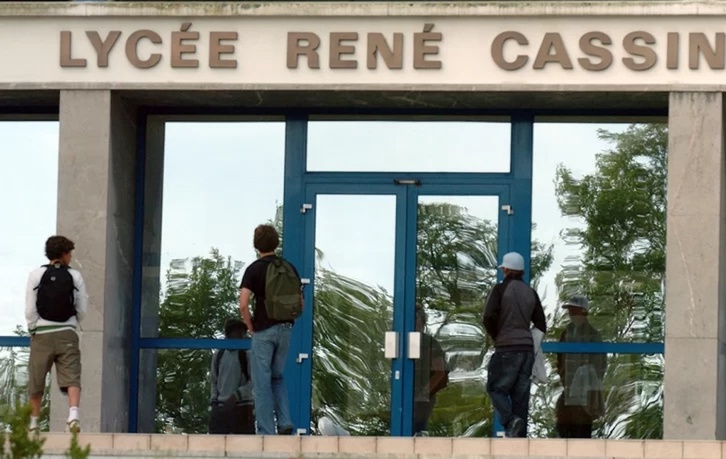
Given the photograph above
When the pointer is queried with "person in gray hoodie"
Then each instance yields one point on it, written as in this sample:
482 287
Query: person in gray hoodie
232 405
511 307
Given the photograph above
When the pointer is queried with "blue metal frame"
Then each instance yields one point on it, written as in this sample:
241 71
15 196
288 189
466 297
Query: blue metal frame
14 341
514 187
603 348
405 287
293 249
194 343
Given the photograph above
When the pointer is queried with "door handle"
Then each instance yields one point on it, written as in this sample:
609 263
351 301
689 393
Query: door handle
414 345
391 345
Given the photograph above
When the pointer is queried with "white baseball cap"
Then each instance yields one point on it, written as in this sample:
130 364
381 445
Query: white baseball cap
513 261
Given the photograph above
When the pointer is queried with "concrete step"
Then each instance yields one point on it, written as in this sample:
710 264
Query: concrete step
251 446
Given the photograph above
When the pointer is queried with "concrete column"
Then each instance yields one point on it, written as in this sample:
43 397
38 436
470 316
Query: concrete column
96 210
695 343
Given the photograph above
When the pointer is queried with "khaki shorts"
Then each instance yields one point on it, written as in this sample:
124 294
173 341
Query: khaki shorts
59 348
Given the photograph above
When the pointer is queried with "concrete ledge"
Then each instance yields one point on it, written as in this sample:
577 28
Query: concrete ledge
250 446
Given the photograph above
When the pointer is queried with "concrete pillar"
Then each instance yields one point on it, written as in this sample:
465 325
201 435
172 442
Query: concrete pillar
96 210
695 343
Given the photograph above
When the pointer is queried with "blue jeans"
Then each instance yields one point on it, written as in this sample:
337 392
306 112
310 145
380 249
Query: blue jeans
509 383
269 354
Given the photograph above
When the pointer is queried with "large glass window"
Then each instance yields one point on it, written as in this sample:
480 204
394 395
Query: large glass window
599 209
213 184
220 180
408 146
29 151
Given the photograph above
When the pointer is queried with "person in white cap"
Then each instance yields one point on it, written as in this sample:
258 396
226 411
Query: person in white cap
511 307
581 375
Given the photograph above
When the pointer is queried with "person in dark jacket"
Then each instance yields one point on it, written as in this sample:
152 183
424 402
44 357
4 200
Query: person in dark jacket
510 309
581 375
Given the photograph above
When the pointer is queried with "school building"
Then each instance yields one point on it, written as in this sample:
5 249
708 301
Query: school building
385 126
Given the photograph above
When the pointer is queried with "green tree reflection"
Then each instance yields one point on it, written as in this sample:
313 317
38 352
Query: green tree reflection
621 210
14 379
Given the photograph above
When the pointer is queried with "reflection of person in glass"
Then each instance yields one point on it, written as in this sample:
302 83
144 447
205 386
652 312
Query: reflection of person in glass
430 375
581 375
232 403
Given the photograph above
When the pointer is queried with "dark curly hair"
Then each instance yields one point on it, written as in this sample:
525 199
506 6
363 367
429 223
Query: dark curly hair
57 246
232 325
266 238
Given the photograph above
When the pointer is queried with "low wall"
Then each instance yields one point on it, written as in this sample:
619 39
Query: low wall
249 446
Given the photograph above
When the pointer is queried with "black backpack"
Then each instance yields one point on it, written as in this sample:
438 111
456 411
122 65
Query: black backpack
56 300
242 362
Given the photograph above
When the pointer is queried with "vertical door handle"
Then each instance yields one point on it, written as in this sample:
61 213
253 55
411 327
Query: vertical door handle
414 345
391 346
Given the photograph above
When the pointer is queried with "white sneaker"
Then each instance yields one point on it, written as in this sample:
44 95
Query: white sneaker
73 426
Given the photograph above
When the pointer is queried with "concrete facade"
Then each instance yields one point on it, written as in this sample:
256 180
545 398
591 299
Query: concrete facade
99 127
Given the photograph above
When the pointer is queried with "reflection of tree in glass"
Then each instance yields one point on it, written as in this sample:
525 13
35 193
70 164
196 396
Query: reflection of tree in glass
351 377
14 379
200 295
621 210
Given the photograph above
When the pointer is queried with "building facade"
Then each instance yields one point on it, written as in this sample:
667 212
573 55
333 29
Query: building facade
400 138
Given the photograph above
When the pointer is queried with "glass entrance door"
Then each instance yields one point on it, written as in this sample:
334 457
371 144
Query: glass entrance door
457 240
400 276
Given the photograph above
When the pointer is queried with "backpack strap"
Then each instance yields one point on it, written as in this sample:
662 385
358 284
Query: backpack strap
48 266
217 360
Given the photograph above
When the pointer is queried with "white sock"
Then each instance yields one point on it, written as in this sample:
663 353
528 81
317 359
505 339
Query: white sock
34 422
73 414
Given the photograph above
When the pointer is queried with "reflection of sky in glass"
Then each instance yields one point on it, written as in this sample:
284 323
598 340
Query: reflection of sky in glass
577 152
222 179
28 205
408 146
357 235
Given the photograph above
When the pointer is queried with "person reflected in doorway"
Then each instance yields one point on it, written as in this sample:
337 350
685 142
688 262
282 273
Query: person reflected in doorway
511 307
232 405
581 375
430 375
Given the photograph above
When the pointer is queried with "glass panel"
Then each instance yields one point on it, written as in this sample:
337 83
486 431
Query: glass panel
630 404
179 388
30 171
599 206
220 180
14 383
408 146
456 267
353 308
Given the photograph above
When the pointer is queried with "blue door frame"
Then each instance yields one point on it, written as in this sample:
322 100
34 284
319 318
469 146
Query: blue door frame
404 276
